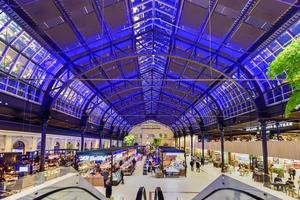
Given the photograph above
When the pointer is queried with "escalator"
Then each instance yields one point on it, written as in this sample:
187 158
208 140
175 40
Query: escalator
158 195
142 195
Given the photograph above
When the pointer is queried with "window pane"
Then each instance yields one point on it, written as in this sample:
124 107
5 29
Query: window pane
10 32
19 66
8 59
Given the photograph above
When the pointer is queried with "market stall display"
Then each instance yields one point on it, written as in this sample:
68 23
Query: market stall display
172 162
91 164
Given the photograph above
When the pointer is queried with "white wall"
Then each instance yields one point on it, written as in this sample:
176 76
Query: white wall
280 149
8 138
147 131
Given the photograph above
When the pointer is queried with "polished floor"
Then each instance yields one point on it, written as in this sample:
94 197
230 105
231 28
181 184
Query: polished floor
178 188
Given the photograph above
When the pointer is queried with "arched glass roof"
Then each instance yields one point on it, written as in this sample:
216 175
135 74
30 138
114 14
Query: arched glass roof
185 64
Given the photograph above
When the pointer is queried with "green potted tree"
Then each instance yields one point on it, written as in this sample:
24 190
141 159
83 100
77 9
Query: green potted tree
156 142
129 140
288 61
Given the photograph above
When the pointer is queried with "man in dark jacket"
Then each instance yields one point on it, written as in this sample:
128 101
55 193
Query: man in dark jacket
108 189
122 177
197 166
192 165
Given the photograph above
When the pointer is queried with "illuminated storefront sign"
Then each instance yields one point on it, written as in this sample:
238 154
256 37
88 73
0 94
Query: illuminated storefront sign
270 126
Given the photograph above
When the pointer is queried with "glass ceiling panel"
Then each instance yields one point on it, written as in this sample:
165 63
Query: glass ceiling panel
207 109
96 109
147 16
26 67
233 100
73 98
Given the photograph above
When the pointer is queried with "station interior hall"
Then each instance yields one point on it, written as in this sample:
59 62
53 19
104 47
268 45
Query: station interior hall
149 99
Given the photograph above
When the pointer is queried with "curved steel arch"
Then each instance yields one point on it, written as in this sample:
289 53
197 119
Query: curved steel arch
168 125
219 54
162 102
158 120
165 55
176 117
187 103
177 98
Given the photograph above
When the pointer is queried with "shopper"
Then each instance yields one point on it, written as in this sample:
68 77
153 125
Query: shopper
277 179
198 166
290 187
108 189
192 165
133 162
122 177
292 173
202 161
105 175
150 167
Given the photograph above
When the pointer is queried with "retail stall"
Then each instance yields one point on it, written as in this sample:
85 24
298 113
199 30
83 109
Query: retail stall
95 163
172 162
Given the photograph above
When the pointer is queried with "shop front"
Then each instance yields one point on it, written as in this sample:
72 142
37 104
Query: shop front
172 162
97 166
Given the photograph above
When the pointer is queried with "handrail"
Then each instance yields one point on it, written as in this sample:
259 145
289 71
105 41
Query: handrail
65 188
141 194
233 189
158 194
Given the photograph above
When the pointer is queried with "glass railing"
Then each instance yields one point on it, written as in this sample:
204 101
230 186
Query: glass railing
62 184
225 187
225 194
10 188
69 193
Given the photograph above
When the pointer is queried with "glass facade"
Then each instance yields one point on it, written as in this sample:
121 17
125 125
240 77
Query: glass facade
162 45
25 67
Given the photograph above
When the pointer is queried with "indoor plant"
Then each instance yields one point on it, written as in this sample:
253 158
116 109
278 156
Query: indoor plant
289 61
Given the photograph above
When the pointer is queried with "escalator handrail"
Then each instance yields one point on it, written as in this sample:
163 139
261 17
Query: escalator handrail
233 189
141 193
158 194
65 188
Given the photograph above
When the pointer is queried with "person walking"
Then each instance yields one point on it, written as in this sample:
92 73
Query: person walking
293 173
122 177
198 166
108 189
105 175
192 165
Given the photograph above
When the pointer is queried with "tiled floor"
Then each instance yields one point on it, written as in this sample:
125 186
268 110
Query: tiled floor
178 188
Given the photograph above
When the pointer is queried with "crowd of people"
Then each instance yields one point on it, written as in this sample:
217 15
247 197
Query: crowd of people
196 161
289 185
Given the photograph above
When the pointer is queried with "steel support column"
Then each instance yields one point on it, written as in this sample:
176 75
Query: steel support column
110 141
192 144
43 144
184 142
100 139
263 125
84 123
222 149
277 131
202 140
